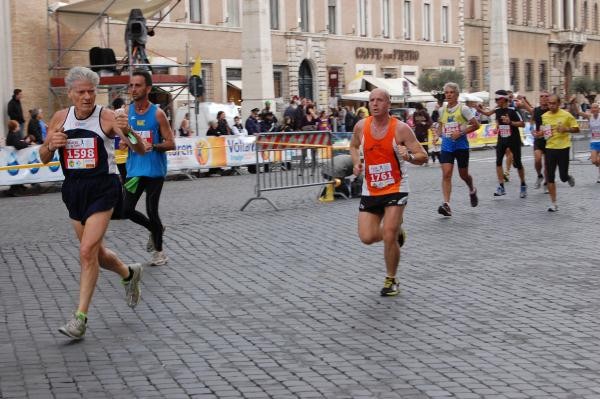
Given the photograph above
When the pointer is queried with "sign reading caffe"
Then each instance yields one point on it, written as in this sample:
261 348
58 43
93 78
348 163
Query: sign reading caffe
371 53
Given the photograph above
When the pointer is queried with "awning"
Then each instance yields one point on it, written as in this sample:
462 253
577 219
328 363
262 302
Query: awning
394 86
236 84
118 10
360 96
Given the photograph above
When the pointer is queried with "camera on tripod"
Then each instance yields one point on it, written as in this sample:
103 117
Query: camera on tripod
136 35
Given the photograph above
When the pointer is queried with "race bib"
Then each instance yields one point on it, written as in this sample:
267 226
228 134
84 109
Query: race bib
81 153
547 131
504 131
380 175
450 128
146 135
595 134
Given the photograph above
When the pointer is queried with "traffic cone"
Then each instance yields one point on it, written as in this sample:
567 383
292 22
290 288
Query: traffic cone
327 195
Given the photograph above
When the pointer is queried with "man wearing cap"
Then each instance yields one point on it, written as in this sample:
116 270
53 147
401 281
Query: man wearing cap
252 124
508 122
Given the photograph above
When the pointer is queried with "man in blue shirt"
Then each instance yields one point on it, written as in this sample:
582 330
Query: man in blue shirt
252 124
146 173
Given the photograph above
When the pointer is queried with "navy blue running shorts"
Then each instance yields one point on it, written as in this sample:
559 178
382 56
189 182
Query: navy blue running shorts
377 203
86 196
461 156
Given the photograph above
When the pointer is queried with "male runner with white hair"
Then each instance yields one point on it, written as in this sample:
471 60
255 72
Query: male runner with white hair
83 134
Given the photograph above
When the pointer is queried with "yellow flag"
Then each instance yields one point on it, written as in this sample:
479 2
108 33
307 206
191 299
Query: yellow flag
359 75
197 68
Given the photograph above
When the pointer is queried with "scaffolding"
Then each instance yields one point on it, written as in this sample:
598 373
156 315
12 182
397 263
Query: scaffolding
114 85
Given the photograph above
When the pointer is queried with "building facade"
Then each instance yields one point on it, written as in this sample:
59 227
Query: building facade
319 46
550 42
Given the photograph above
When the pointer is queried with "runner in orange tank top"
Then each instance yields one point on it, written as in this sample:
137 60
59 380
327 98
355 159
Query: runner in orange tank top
387 145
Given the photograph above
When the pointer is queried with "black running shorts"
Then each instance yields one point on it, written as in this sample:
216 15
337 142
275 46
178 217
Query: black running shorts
86 196
377 203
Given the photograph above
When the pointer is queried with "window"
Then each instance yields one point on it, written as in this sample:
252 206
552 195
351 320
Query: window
278 84
527 20
445 24
274 14
304 16
196 11
585 16
543 75
514 74
362 17
596 71
474 73
586 70
512 11
331 21
427 21
529 75
385 9
233 12
542 14
407 20
207 79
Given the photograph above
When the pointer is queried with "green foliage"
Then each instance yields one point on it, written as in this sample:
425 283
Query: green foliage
435 80
585 85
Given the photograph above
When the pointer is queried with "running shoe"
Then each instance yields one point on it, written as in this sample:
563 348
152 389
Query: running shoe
401 237
390 287
598 180
546 188
75 327
506 176
444 209
473 198
150 243
538 182
553 208
500 191
523 191
159 258
133 292
571 181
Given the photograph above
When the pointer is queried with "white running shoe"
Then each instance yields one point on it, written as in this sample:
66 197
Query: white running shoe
159 258
538 182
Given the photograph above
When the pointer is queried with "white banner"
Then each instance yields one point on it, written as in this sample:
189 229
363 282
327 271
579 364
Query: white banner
20 173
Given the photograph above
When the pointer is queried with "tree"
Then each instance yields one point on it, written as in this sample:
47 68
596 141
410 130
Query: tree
586 86
435 80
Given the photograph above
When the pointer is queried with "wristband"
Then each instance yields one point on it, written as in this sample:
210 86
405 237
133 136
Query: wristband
132 137
411 157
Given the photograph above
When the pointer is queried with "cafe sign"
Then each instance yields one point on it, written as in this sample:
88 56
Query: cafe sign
372 53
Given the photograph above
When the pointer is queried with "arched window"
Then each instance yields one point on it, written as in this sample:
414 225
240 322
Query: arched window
305 80
585 16
595 18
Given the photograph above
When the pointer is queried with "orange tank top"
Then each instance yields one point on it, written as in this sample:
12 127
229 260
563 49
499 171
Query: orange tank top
384 169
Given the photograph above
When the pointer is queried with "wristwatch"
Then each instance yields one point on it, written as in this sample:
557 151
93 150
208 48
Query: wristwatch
411 157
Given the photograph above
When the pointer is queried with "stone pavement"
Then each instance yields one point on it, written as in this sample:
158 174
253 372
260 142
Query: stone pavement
499 301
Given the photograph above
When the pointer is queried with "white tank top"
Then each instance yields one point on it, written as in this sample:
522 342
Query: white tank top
595 129
89 152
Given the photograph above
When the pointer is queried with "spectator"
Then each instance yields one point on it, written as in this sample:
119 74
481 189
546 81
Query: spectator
117 103
290 111
237 128
422 122
14 139
300 113
350 118
268 123
184 126
252 124
223 126
361 113
288 124
34 126
266 110
323 121
213 129
341 117
15 110
309 121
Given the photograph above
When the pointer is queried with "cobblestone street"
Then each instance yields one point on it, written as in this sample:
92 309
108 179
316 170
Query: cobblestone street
499 301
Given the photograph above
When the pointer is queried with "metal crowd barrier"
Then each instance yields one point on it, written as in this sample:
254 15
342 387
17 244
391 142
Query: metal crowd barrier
291 160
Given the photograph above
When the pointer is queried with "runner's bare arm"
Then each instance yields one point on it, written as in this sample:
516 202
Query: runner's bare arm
486 112
472 126
168 141
355 147
55 138
119 125
411 150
